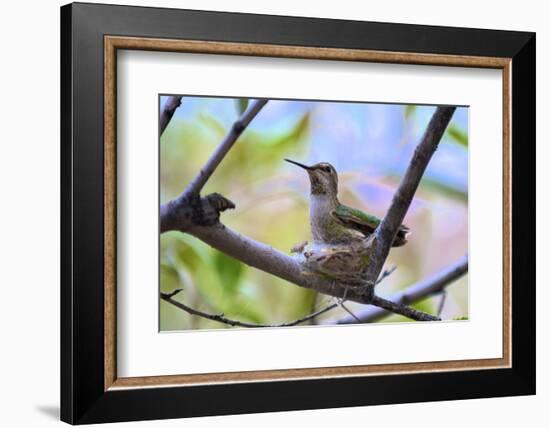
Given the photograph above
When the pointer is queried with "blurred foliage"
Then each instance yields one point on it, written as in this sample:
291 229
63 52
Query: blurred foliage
410 109
242 104
458 135
272 205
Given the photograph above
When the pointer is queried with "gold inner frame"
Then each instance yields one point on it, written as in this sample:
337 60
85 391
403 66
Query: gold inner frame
113 43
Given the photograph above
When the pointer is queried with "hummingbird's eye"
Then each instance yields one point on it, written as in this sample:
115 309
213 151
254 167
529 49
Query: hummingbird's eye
326 168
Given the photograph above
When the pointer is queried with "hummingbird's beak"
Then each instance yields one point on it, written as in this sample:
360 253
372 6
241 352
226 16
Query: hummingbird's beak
301 165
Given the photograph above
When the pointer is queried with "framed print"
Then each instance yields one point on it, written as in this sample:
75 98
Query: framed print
320 213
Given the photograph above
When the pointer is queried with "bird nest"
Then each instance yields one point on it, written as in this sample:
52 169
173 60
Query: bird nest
345 263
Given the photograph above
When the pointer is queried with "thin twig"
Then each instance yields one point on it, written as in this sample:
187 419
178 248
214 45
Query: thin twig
176 211
401 309
385 274
441 302
386 231
341 302
237 129
168 297
172 103
416 292
351 314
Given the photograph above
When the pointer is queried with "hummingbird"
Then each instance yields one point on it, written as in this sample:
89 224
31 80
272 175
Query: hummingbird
333 222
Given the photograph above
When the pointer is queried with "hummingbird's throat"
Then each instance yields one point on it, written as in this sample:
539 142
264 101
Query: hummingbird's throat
317 186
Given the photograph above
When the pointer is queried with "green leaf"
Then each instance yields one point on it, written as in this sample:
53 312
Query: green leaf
169 278
409 110
290 138
437 187
189 246
305 302
193 262
244 313
242 105
424 306
458 135
229 271
212 124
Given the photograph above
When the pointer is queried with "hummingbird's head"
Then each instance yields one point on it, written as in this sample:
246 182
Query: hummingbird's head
322 176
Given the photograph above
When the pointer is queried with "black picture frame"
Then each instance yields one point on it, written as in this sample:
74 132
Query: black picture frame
83 397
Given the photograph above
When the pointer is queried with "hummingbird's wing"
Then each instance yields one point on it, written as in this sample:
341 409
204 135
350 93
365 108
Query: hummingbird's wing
365 223
356 219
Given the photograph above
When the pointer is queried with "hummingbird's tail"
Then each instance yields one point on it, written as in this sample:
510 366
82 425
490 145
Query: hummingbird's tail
401 237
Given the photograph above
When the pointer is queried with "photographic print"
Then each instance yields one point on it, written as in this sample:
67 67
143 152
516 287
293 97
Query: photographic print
279 213
322 200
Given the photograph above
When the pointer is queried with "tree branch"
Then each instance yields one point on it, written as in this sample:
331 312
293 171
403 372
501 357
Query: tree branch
237 129
204 211
180 210
268 259
200 217
386 231
422 289
168 297
401 309
275 262
172 103
257 254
